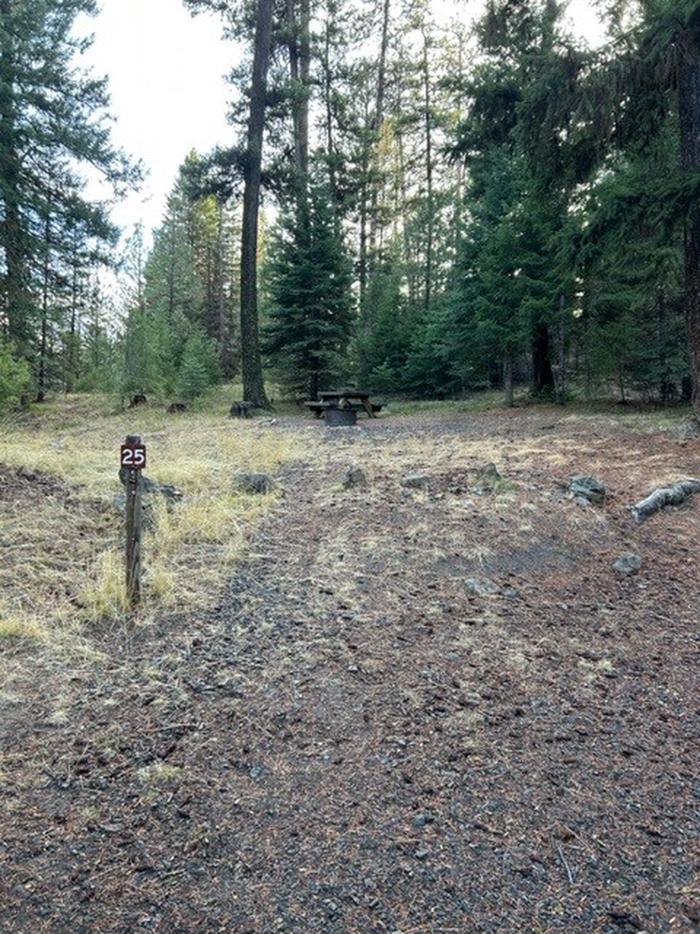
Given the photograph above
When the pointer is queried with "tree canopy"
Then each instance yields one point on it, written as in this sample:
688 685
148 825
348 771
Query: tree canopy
426 208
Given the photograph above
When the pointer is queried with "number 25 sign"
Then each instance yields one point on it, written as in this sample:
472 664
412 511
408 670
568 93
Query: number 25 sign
134 455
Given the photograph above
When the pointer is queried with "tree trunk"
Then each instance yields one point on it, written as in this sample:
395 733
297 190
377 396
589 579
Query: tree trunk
11 231
508 394
665 386
542 374
253 383
71 371
377 124
429 173
328 105
689 113
561 352
223 313
362 266
43 346
299 47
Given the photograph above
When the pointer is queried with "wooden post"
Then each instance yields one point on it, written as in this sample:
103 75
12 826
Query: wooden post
133 522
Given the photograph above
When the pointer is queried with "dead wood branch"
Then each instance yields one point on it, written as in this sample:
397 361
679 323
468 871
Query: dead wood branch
665 496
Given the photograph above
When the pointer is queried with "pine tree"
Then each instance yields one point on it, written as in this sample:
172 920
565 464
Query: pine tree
199 368
52 118
14 377
309 281
148 365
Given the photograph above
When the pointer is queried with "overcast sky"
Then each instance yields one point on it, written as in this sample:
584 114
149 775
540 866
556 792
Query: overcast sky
167 80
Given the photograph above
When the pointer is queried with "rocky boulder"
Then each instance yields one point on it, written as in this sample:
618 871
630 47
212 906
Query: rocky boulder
353 478
415 481
627 564
587 488
254 484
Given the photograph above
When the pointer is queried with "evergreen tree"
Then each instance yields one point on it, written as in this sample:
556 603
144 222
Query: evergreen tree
53 120
199 368
14 377
310 297
148 365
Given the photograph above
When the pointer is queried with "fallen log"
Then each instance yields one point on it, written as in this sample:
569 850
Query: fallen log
665 496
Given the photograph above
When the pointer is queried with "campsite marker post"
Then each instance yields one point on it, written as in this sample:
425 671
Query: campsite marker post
133 461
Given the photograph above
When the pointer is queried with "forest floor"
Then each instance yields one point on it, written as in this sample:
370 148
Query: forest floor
352 740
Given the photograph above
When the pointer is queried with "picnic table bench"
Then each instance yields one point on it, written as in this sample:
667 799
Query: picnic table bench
355 399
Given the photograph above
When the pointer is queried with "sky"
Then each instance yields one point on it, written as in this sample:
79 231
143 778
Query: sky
166 73
169 93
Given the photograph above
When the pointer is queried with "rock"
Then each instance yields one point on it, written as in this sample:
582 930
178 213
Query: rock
415 481
166 490
254 483
587 488
627 564
153 487
354 477
481 587
689 429
488 475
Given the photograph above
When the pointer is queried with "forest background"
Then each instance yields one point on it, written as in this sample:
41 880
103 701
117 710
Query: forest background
426 208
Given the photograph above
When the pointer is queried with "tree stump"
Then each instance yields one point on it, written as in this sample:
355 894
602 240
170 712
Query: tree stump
242 410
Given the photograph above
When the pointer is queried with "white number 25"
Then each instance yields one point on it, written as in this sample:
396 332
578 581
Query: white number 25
134 457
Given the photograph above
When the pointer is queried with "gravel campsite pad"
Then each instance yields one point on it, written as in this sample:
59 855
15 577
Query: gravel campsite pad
431 705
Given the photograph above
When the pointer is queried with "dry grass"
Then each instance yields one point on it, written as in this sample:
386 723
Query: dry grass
63 558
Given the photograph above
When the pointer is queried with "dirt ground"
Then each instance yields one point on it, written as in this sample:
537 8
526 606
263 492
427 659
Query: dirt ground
354 741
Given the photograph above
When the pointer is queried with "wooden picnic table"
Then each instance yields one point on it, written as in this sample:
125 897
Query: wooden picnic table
358 396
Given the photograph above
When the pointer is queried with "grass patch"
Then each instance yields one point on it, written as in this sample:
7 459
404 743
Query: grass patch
160 773
63 554
481 401
18 628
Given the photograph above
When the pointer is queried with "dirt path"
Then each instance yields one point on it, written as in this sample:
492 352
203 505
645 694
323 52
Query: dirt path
355 742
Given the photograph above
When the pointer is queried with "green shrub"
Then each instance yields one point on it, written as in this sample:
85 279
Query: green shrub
14 378
199 366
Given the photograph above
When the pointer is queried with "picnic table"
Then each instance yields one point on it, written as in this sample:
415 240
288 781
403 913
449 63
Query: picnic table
355 397
344 398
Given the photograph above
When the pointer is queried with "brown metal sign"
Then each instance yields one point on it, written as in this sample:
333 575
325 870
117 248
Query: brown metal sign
134 455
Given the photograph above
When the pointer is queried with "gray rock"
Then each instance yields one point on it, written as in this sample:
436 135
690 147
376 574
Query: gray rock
481 587
150 486
488 476
167 490
689 429
255 483
627 564
587 488
354 477
415 481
